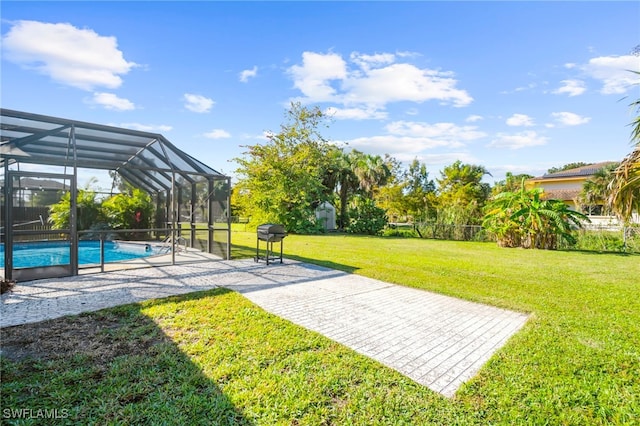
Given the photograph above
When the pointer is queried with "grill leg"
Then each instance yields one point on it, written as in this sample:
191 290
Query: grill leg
257 250
280 251
268 251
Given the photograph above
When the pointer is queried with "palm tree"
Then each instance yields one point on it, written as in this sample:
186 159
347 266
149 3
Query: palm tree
524 219
625 187
595 190
462 194
354 172
344 181
546 220
500 218
371 171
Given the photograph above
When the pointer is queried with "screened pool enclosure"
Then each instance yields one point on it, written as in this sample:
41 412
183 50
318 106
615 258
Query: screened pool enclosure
41 159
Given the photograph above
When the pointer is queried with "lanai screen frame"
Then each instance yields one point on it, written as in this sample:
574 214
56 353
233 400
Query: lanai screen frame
146 160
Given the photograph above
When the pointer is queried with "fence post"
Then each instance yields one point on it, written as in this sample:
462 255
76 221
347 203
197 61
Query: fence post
101 251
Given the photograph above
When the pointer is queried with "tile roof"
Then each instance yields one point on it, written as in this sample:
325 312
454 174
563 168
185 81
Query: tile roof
583 171
561 194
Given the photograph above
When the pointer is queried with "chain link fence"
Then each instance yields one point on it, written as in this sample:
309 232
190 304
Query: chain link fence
443 231
603 238
624 239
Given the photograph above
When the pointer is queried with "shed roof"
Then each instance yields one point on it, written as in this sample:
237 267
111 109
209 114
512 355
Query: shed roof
146 160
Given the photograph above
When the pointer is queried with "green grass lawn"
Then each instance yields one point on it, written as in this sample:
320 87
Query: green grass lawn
215 358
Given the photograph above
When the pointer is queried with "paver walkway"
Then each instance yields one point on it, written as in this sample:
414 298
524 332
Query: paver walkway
436 340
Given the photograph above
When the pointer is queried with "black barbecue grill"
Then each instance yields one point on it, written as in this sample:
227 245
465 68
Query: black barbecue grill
270 233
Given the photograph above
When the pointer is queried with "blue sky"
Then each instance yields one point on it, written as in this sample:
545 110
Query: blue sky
512 86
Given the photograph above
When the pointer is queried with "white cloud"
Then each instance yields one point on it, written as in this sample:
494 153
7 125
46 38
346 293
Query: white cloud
520 120
367 62
370 82
355 113
197 103
217 134
571 88
614 72
408 139
474 118
444 131
245 75
314 77
569 118
264 136
529 86
153 128
113 102
406 145
518 140
72 56
403 82
443 159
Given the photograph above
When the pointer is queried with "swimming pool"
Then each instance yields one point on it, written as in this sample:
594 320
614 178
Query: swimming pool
31 255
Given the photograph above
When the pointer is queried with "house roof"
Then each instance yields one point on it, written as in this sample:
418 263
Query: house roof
561 194
584 171
33 183
576 174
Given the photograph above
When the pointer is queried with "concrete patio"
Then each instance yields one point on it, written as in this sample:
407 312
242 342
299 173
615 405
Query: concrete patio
437 341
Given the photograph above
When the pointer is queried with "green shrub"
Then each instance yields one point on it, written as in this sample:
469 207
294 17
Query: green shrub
599 241
89 211
365 217
607 241
129 211
405 232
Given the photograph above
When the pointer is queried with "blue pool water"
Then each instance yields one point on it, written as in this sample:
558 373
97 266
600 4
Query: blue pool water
30 255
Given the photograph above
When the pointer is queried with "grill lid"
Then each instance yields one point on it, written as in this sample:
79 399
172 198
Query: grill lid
271 228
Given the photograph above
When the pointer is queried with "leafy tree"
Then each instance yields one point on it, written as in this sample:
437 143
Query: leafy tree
524 219
132 210
625 194
510 184
567 167
282 179
391 199
420 191
462 194
365 216
88 211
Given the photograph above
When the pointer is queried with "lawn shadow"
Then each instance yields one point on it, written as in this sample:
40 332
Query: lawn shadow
239 251
113 366
602 252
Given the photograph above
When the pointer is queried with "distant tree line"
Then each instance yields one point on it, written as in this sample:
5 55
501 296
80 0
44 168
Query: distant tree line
286 178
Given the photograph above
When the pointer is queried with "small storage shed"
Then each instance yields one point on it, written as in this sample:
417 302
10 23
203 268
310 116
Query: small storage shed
326 215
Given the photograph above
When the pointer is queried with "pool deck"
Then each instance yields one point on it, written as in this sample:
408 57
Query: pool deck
438 341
